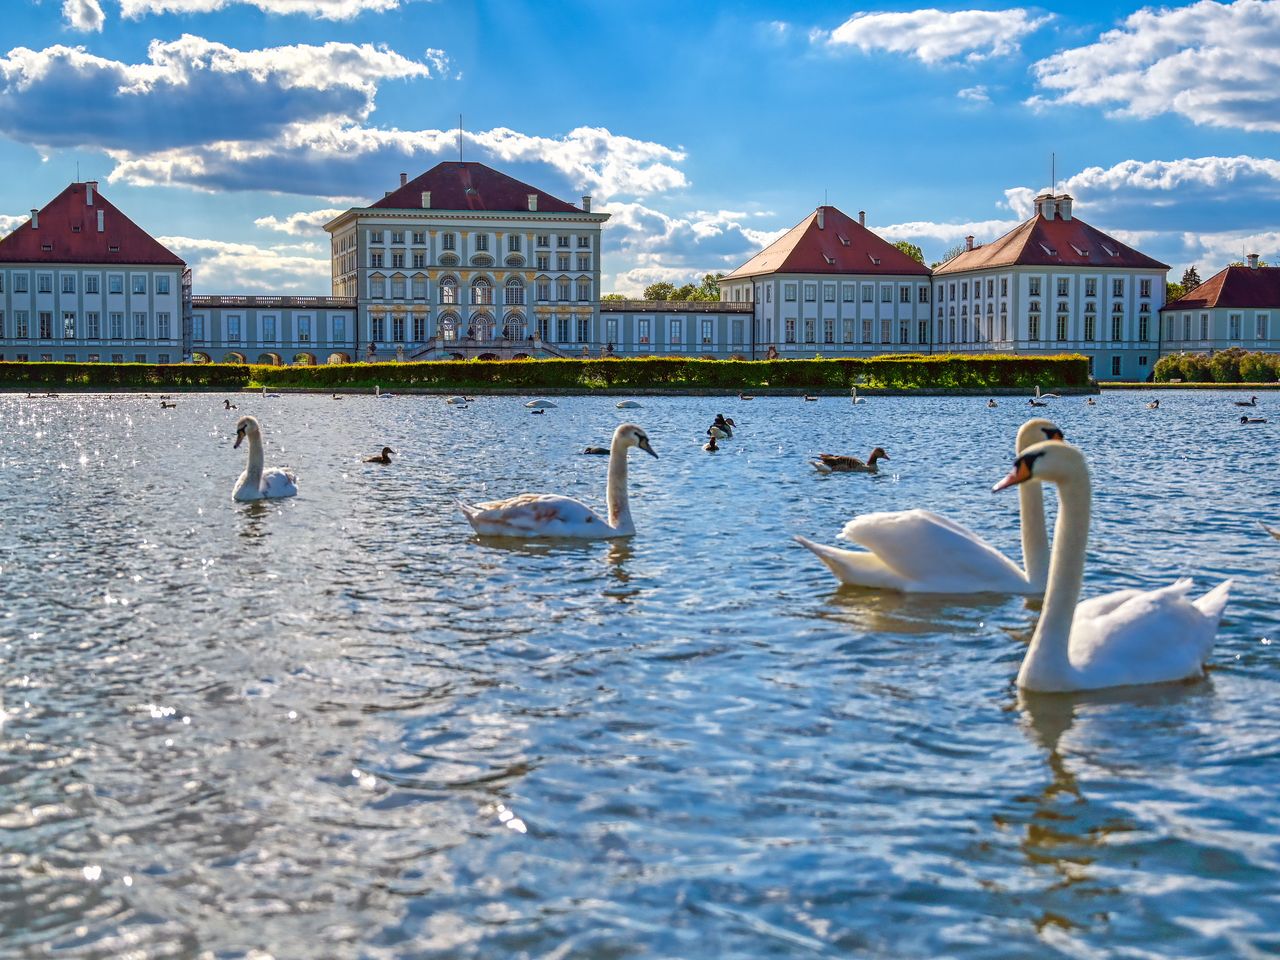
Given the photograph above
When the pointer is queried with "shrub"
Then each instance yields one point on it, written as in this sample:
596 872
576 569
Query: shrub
1224 366
130 376
1260 367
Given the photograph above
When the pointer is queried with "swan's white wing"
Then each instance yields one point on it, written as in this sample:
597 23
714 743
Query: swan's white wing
1150 636
278 483
536 515
856 567
934 554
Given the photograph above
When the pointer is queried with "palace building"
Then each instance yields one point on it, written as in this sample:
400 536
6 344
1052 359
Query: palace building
1233 308
80 281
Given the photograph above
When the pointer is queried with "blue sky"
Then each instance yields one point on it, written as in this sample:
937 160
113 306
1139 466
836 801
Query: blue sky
232 128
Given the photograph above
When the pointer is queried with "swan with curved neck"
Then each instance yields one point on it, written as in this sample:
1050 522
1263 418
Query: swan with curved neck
551 515
1125 638
918 551
256 483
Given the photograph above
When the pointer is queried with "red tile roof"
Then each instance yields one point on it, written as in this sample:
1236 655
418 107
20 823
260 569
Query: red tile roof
121 240
471 186
841 245
1233 287
1040 242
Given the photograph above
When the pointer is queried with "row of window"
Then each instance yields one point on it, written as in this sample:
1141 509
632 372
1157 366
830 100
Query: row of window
789 291
70 328
809 330
418 261
449 241
267 330
1034 287
482 293
92 283
92 358
1235 323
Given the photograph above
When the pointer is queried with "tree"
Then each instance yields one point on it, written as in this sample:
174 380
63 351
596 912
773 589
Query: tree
612 296
1173 291
955 251
911 250
1190 278
710 288
659 291
1240 263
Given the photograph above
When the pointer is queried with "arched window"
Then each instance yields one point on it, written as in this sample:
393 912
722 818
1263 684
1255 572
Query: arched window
448 290
449 327
482 326
481 292
514 293
513 327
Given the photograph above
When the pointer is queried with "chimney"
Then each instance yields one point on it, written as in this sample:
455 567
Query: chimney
1253 261
426 199
968 242
89 187
822 220
533 202
35 219
100 224
1064 207
862 218
386 193
1044 205
586 204
404 178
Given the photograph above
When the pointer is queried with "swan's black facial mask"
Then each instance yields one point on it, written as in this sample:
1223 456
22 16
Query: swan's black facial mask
239 437
1022 470
1052 433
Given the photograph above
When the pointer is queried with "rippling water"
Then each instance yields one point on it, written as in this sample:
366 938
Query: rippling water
342 726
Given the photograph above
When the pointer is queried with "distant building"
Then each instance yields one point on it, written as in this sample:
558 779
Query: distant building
80 281
676 328
831 286
1233 308
466 260
274 330
1053 284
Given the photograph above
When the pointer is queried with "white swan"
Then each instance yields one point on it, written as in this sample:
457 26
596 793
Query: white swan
456 401
256 483
1044 396
1125 638
540 405
270 396
627 404
853 395
551 515
918 551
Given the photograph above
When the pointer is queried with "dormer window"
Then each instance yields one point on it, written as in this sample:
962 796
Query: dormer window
1108 251
1048 250
875 260
1083 253
46 247
843 239
113 248
831 261
75 228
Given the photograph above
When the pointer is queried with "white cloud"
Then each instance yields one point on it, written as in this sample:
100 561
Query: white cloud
976 94
1214 63
11 222
323 9
303 224
934 36
219 266
83 15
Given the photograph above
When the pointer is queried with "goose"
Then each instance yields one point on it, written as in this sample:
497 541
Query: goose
1154 404
1251 402
334 396
228 405
383 457
809 399
992 403
853 395
256 483
1248 419
1126 638
1037 403
918 551
834 463
710 446
627 404
167 406
744 396
1274 531
596 451
722 428
540 405
550 515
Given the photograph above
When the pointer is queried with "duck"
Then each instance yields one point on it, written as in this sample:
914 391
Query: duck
1037 403
834 463
334 396
383 457
918 551
256 483
710 446
1126 638
167 406
1154 404
744 396
551 515
627 404
722 428
809 399
1248 419
1274 531
1251 402
1090 402
540 405
853 395
228 405
596 451
992 403
538 412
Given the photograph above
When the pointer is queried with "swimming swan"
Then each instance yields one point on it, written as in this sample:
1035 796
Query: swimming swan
1274 531
918 551
256 483
540 405
1126 638
853 395
627 404
551 515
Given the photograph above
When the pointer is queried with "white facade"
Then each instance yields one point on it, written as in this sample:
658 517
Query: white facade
676 328
274 330
1237 307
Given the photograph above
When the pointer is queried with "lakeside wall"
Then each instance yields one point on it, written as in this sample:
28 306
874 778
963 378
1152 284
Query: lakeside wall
894 372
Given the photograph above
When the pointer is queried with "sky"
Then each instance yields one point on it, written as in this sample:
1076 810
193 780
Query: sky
232 129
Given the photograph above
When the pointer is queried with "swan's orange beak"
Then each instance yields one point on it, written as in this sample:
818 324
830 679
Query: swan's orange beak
1020 473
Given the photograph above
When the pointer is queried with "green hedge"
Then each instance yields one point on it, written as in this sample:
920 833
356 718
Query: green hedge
133 376
938 371
1233 365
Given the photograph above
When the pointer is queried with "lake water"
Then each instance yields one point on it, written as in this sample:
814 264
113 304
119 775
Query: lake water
342 726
